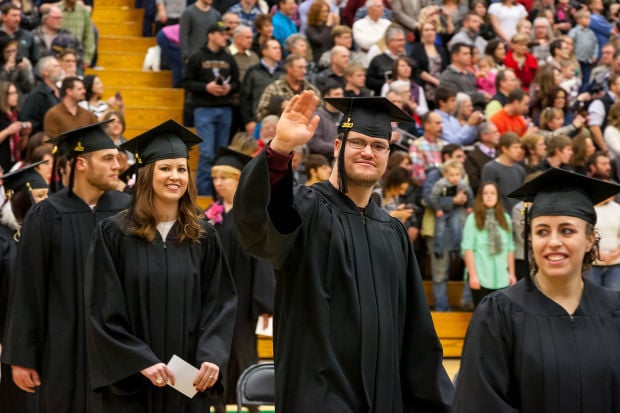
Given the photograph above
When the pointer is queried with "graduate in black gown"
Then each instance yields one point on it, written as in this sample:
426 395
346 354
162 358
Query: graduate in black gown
158 285
24 188
550 343
45 334
254 279
353 331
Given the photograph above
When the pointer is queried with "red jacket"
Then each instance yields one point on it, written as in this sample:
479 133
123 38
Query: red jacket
525 74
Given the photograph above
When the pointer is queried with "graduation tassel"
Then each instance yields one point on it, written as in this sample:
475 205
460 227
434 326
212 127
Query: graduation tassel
342 177
529 280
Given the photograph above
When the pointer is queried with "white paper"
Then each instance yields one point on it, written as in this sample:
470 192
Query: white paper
264 331
184 376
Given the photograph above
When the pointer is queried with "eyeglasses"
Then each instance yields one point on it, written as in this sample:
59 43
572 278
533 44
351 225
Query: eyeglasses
377 147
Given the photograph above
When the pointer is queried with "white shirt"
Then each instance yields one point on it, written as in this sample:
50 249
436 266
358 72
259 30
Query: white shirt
508 17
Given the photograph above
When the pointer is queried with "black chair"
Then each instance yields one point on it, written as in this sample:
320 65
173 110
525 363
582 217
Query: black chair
256 386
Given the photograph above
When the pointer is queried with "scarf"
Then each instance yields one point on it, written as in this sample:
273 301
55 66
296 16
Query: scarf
14 140
491 226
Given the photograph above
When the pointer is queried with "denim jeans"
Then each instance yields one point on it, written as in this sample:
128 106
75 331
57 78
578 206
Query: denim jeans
449 231
439 269
213 127
607 276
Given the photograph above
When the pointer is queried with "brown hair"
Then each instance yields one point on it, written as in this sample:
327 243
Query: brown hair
480 210
4 96
142 219
314 14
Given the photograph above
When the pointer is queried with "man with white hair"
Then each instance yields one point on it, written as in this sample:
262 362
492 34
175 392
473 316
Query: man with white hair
45 95
241 49
334 74
380 66
368 31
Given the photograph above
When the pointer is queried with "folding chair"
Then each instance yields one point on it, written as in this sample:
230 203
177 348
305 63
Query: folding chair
256 386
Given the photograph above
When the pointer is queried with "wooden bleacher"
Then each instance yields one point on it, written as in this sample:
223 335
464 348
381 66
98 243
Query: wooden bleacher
451 326
148 96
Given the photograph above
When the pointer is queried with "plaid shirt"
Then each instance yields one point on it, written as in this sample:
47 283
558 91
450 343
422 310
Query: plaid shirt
425 155
280 87
78 22
247 19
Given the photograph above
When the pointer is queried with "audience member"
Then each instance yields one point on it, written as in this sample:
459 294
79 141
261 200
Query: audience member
264 31
257 78
195 20
68 60
504 16
559 154
45 95
482 153
510 117
497 50
505 170
355 81
599 108
470 33
212 78
241 51
51 38
335 72
586 43
76 19
342 36
322 142
452 131
68 114
599 24
13 134
612 130
523 63
432 59
425 152
458 76
93 102
11 16
317 168
552 119
535 151
247 11
283 25
368 31
583 148
319 29
601 71
599 166
14 68
380 66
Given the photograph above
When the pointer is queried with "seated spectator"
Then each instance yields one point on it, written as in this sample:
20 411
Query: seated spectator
535 151
540 40
558 50
571 83
256 80
497 50
355 81
449 221
552 119
317 169
546 80
486 28
68 61
612 131
458 76
15 68
291 83
453 131
464 108
369 30
470 32
232 21
45 95
381 65
412 96
51 39
425 152
599 166
341 36
268 131
522 62
93 101
298 44
68 114
442 21
559 154
583 148
599 108
505 82
431 59
263 29
510 117
334 74
322 142
395 186
319 30
43 152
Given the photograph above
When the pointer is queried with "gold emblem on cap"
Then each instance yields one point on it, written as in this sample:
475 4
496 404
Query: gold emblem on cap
138 159
55 149
79 147
348 124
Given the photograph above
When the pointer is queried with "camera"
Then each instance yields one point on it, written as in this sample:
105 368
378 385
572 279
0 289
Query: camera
219 80
19 59
24 125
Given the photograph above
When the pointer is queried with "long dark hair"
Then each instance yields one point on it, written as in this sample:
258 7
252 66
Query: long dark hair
480 210
142 219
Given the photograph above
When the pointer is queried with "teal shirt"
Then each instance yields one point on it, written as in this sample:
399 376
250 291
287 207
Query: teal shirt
492 270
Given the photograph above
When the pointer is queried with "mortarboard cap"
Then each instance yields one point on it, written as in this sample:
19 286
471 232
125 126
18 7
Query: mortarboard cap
169 140
559 192
229 157
24 178
370 116
217 27
82 140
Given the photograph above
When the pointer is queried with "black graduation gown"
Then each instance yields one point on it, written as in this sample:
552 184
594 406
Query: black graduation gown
255 284
12 398
353 329
524 353
147 301
46 329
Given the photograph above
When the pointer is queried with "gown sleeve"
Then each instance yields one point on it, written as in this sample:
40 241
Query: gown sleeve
265 218
263 288
114 353
26 328
484 379
219 306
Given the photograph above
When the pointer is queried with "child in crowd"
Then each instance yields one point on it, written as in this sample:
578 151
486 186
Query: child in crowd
317 169
449 218
586 44
485 77
571 83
